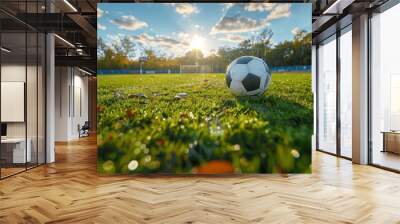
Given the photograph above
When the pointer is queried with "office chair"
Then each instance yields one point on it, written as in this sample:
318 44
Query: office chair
84 130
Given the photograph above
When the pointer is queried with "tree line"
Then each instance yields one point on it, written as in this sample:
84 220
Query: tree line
120 54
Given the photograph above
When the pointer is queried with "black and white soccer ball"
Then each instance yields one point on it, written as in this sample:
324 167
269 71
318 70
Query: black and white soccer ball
248 76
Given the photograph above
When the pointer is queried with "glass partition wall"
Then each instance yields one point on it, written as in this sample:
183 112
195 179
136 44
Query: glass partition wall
334 105
22 88
345 90
385 89
326 57
334 84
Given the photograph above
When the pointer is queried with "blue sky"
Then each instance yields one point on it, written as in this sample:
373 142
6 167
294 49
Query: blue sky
175 28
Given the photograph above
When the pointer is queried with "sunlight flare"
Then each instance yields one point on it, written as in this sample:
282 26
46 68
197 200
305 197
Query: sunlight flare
197 42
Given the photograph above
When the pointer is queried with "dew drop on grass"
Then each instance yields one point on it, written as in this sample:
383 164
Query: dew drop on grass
295 153
133 165
147 159
108 165
191 115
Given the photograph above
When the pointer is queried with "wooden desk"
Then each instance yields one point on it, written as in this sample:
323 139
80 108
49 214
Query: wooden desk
13 150
391 141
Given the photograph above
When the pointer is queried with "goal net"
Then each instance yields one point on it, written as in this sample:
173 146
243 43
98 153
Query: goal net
196 69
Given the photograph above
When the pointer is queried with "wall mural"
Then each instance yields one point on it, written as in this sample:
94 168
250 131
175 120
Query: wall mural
204 88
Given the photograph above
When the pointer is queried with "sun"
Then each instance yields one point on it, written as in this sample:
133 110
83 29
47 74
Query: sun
197 42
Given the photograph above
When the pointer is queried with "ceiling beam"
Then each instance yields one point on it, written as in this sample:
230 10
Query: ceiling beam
337 7
79 61
90 31
83 23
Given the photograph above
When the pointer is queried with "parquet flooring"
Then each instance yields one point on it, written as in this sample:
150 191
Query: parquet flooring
70 191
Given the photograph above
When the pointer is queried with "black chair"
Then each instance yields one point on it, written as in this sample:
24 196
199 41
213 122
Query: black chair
84 130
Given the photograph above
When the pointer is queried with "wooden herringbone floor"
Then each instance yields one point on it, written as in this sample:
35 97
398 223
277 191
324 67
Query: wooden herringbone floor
70 191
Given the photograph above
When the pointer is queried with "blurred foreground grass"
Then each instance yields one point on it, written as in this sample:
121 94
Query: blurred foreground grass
207 130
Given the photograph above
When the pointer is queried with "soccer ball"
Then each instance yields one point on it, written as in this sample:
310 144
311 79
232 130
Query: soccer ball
248 75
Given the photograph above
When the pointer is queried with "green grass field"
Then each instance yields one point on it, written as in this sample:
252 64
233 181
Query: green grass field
159 133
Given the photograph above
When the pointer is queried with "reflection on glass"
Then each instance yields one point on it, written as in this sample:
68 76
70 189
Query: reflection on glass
385 92
22 89
346 93
394 102
14 151
327 96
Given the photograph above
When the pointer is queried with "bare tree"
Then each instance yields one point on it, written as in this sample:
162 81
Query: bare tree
124 45
101 47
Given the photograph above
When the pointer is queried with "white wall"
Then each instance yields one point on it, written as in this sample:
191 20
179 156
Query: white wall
62 82
33 127
71 87
80 94
11 73
16 73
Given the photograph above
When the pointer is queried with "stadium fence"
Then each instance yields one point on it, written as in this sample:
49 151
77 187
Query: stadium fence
299 68
196 69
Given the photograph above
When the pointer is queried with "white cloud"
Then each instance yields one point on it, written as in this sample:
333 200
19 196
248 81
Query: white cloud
299 33
227 6
275 10
235 38
184 36
129 23
101 27
237 24
168 44
279 11
198 27
185 8
296 30
261 7
99 13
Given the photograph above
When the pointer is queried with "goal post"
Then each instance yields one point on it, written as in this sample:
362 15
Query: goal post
196 69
